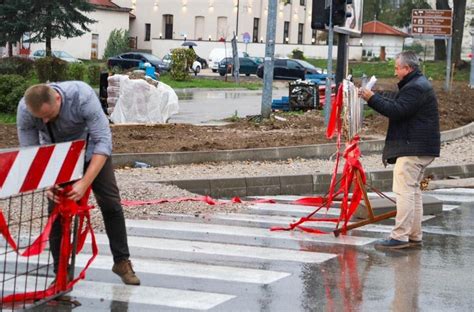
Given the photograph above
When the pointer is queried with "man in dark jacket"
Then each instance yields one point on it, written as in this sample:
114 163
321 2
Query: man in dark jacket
412 143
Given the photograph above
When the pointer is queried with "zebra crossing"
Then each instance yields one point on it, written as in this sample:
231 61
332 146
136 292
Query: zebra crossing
220 262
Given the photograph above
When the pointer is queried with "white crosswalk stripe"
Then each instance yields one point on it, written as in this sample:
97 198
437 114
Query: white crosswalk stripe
244 238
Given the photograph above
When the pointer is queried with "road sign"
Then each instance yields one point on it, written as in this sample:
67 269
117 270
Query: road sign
431 22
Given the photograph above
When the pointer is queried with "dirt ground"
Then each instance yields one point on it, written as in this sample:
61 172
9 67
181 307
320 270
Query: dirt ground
456 109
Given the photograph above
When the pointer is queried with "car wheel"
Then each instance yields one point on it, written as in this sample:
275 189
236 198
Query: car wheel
214 70
198 70
222 74
247 75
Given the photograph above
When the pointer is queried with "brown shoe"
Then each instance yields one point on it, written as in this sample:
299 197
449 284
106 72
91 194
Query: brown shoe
124 269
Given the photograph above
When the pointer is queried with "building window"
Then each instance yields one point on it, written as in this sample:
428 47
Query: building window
147 32
286 32
300 33
95 46
314 36
256 22
302 2
168 21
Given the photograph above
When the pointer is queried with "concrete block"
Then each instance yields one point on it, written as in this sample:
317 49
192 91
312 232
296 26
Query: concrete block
296 184
199 186
321 183
453 171
228 187
431 206
263 186
380 174
468 170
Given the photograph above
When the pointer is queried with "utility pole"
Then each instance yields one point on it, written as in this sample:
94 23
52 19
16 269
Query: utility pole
237 20
471 80
327 104
269 59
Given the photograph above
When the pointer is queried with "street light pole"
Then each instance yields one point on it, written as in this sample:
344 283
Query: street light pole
237 21
269 59
471 80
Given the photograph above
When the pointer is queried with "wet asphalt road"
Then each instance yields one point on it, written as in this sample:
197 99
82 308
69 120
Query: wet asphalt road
437 277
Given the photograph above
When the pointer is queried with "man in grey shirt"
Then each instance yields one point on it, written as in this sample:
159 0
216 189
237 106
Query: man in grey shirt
68 111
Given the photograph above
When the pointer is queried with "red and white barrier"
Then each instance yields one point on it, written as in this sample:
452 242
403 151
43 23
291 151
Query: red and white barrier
32 168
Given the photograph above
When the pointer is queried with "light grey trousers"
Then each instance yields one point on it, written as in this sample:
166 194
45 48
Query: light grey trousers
407 175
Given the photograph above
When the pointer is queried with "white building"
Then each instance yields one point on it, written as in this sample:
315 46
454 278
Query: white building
91 45
381 40
161 25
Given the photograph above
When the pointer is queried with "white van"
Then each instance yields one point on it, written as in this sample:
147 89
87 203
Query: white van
218 54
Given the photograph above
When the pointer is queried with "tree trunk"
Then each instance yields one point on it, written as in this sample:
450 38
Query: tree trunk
458 29
440 44
48 40
10 49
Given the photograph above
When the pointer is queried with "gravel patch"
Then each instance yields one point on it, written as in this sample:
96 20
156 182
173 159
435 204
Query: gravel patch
456 152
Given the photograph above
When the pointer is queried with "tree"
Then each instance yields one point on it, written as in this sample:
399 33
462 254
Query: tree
58 18
117 43
403 15
459 14
14 18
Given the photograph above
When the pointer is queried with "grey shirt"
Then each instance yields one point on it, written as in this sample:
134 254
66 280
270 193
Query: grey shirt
80 115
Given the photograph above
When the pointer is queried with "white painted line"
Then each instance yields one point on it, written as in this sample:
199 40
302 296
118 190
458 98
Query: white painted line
175 298
217 249
288 208
176 268
251 232
450 207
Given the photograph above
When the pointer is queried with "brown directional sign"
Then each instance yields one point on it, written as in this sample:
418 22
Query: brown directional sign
431 22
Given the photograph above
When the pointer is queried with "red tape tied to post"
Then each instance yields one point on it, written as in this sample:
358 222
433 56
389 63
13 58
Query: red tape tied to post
348 179
66 209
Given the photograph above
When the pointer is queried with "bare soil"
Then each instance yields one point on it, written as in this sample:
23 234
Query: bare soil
456 109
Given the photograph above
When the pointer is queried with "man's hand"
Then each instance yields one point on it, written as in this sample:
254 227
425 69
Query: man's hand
366 94
78 190
53 193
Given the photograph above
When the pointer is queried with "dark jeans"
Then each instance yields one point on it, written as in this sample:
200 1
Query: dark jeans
107 196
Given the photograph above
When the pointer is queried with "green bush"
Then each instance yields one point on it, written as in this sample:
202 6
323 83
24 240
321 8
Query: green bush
415 47
181 60
117 43
93 74
297 54
51 69
12 88
76 71
16 66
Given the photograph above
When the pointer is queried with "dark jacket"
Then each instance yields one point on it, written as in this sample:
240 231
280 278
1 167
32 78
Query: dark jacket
413 128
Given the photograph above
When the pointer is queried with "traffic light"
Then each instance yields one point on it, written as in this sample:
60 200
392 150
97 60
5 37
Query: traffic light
320 13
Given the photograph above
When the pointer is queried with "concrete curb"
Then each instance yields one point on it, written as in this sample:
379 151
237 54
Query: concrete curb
301 184
260 154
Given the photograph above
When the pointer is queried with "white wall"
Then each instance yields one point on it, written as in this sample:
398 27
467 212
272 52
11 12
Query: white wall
161 46
184 19
393 44
80 47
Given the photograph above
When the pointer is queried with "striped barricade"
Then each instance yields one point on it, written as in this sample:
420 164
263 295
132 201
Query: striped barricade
25 222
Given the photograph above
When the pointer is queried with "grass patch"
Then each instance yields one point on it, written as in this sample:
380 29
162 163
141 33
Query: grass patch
197 82
434 70
7 118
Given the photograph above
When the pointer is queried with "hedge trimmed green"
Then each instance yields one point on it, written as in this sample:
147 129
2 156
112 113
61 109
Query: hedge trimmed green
76 71
16 66
51 69
12 88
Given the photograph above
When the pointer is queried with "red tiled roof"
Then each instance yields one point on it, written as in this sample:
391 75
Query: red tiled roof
104 3
379 28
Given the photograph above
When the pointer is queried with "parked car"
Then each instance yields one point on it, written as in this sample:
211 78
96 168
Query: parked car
133 59
59 54
218 54
290 69
247 66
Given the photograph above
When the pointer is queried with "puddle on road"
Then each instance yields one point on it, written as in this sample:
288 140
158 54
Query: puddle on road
202 95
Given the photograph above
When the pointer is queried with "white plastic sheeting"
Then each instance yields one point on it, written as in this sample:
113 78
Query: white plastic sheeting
140 102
